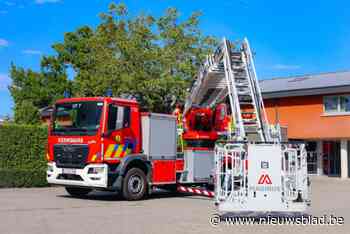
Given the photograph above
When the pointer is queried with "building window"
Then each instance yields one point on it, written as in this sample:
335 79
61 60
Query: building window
344 103
337 104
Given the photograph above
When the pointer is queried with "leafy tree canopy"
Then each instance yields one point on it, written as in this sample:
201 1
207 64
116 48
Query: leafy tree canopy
153 59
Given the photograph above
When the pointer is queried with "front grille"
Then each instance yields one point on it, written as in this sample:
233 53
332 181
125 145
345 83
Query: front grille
69 177
71 156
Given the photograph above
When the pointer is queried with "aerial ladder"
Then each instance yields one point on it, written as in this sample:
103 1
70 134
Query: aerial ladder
230 73
254 170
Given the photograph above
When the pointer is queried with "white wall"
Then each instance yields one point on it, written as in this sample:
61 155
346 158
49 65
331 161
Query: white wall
344 158
319 158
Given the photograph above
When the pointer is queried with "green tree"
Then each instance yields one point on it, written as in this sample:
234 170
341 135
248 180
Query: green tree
152 59
32 91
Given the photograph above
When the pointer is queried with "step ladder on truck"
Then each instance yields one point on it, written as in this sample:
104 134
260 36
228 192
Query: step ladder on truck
254 169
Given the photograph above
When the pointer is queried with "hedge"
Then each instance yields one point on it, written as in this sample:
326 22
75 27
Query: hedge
22 155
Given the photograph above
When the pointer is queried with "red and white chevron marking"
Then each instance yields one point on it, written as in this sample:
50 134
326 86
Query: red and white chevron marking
197 191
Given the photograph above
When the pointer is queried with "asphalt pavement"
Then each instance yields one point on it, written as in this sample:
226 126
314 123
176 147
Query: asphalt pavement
51 210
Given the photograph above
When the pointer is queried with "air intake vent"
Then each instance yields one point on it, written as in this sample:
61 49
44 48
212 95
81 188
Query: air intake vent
71 156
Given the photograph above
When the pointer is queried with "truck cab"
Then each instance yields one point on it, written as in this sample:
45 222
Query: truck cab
96 143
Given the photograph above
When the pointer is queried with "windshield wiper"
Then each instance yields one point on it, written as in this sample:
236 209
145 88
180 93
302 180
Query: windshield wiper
61 130
70 131
79 129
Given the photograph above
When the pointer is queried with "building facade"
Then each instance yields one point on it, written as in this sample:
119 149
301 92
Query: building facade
315 109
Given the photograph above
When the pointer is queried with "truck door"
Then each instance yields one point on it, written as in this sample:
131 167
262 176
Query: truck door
119 139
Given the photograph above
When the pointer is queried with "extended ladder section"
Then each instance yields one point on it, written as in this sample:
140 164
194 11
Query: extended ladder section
230 73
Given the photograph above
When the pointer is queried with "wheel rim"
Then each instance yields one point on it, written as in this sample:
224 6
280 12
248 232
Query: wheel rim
135 184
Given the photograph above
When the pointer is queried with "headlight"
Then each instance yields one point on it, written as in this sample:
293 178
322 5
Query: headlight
96 170
49 168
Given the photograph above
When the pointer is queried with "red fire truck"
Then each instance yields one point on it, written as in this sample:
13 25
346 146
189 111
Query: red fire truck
107 143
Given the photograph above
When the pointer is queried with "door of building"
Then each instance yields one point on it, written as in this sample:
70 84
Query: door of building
311 148
331 158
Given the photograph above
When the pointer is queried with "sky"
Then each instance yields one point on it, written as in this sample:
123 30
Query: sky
288 37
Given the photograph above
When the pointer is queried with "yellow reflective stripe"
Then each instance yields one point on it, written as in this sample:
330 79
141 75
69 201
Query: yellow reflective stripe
128 151
94 158
119 151
109 150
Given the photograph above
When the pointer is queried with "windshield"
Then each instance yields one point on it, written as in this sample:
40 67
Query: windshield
77 118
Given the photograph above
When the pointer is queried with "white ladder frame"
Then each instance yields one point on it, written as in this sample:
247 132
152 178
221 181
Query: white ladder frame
263 123
232 92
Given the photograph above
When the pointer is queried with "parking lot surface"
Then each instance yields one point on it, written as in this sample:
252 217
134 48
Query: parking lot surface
51 210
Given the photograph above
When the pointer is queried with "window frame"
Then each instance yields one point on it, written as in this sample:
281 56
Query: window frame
338 111
346 96
90 132
126 113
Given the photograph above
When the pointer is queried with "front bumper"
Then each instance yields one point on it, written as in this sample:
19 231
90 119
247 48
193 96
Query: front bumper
80 177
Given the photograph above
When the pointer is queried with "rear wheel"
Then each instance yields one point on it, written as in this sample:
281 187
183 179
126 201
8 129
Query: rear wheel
78 192
134 184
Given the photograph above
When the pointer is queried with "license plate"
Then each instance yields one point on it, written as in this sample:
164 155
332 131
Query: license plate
69 171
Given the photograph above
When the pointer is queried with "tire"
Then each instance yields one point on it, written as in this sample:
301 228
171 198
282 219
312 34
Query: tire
134 185
78 192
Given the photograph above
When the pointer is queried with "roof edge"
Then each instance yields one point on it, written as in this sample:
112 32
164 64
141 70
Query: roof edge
307 92
303 75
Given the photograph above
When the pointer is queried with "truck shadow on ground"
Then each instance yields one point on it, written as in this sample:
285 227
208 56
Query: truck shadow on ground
113 196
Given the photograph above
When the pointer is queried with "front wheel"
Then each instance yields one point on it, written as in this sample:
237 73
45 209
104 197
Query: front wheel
78 192
134 184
